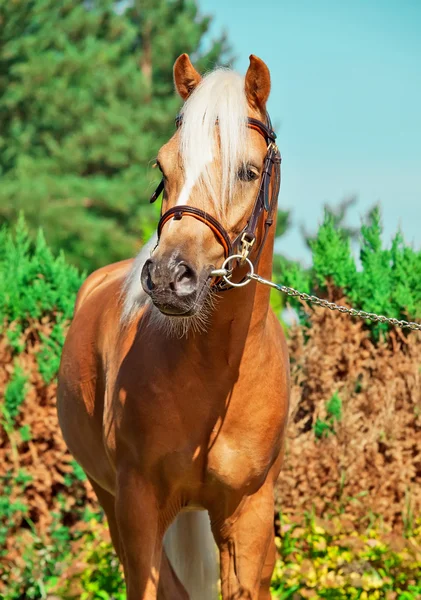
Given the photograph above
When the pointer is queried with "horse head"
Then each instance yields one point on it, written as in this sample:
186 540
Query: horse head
213 170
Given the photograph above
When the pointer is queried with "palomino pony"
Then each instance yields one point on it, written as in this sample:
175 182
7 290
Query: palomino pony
173 392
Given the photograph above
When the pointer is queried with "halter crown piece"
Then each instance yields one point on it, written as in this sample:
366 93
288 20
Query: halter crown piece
244 242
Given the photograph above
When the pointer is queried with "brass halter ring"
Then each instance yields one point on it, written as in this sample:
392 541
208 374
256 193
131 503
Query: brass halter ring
227 276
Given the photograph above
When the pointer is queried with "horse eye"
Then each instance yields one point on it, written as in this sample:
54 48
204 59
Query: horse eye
246 174
158 164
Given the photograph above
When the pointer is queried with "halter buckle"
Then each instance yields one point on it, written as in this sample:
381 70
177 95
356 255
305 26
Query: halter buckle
246 245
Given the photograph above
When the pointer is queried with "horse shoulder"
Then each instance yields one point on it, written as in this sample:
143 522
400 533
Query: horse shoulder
81 393
101 276
95 323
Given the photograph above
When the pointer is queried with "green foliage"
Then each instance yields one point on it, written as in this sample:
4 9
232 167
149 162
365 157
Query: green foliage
50 567
291 274
11 507
48 358
77 474
14 394
390 280
86 100
317 559
329 559
387 281
33 282
103 576
332 258
25 433
334 414
322 428
334 407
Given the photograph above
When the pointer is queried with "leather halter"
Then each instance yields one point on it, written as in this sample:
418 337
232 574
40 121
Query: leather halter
247 237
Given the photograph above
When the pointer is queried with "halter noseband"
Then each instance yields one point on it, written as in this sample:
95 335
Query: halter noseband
244 242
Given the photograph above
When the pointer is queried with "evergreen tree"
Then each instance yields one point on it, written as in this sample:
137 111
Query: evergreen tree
86 100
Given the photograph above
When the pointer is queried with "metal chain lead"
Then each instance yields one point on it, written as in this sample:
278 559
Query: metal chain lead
353 312
289 291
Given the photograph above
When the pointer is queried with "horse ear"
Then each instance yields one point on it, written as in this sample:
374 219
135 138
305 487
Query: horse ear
186 78
257 83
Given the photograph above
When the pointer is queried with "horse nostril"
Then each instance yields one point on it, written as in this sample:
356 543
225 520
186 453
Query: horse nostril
183 273
184 281
146 277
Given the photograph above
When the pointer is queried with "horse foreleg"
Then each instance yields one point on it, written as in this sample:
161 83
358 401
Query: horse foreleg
107 501
170 587
140 532
267 572
244 539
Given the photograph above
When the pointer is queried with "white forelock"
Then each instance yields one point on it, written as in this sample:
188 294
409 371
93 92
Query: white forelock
219 98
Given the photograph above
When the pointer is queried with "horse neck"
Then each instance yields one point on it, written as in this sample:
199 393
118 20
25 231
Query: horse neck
243 312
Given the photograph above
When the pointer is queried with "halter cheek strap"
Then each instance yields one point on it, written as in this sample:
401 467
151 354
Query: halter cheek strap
247 237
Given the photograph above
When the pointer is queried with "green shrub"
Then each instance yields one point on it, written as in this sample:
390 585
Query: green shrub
387 281
33 282
332 259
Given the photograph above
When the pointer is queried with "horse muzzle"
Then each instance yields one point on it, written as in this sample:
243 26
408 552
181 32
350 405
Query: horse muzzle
174 286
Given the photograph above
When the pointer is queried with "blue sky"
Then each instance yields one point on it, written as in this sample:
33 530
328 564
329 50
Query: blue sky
346 103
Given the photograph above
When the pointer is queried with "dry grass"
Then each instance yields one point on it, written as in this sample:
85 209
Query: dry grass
372 464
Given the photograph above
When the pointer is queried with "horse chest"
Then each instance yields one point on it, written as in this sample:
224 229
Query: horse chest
192 439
